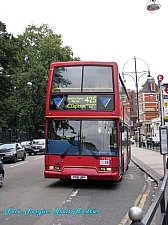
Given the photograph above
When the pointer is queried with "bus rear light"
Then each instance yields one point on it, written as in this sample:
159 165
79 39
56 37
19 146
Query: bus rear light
51 167
57 167
105 169
54 167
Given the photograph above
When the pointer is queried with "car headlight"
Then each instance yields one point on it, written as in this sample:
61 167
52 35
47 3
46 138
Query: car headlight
9 153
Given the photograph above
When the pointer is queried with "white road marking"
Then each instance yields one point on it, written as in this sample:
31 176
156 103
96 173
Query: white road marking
19 164
73 194
39 157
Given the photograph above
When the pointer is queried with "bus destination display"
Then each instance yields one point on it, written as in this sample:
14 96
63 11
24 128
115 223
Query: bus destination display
82 102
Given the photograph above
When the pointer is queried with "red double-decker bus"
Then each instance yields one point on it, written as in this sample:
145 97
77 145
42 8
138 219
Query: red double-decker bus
87 127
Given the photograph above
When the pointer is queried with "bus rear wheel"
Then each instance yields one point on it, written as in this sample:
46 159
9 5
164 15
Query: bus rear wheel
120 179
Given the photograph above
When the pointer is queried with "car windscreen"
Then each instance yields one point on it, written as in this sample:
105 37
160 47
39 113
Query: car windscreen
6 147
41 142
155 138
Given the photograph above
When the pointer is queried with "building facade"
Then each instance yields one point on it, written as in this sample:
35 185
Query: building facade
148 108
156 122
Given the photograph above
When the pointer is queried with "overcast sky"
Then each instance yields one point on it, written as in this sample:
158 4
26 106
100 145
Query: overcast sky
100 30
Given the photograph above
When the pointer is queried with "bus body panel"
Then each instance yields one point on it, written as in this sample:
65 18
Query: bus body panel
80 63
81 166
89 166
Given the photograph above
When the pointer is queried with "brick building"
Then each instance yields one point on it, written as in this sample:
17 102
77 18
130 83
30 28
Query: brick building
148 108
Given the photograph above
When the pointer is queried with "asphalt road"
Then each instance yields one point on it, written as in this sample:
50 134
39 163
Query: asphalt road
28 198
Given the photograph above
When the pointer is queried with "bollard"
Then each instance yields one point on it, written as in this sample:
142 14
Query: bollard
135 214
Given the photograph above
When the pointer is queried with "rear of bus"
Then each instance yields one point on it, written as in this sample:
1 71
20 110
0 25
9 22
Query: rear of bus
83 138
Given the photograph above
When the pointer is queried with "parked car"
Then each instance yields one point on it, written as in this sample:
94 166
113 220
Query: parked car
2 172
37 146
26 145
153 141
13 152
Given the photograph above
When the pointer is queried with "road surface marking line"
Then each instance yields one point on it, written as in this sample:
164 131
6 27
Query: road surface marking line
143 199
19 164
126 217
38 158
73 194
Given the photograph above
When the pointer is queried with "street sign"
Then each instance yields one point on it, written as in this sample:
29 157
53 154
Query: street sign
163 130
166 90
160 78
165 102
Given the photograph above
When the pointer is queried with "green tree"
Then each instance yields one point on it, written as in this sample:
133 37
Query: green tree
9 61
40 47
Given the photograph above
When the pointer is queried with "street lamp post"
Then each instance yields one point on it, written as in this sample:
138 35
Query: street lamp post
137 97
136 80
17 131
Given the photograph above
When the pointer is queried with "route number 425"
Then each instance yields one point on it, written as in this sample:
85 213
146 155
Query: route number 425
90 99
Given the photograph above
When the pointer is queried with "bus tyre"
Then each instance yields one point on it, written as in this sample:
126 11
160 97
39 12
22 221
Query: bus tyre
120 179
127 167
122 170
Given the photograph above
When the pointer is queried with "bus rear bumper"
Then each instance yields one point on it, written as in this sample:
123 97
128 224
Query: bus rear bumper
90 174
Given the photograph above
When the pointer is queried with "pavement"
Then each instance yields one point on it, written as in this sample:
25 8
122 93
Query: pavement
154 164
149 160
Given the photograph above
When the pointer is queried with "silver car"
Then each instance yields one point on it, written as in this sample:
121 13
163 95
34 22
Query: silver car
37 146
12 152
26 145
153 141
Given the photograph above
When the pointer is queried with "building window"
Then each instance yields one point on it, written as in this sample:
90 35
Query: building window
157 97
157 126
140 107
152 86
148 127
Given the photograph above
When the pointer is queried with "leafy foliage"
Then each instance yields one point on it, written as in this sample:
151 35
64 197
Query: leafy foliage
32 53
9 61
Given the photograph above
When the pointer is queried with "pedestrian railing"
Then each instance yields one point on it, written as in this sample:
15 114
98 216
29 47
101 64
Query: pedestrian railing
150 146
153 147
158 211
